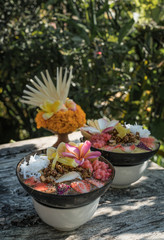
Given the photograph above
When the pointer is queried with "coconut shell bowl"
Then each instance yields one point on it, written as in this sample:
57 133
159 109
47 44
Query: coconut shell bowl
129 160
129 167
64 212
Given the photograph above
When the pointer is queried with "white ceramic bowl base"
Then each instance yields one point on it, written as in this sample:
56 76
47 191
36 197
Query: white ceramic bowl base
66 219
126 175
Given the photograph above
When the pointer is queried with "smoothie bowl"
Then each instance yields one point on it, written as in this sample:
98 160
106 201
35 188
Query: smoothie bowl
65 183
127 147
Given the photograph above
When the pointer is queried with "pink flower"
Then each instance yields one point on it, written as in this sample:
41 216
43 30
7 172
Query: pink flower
99 53
81 152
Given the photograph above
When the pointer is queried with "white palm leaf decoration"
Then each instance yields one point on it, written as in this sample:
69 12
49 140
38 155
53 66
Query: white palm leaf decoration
46 91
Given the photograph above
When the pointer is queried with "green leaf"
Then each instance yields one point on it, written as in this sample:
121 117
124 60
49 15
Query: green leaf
77 39
157 129
82 30
156 12
161 92
104 9
125 30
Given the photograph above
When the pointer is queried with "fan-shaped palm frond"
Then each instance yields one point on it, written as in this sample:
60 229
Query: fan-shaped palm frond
45 90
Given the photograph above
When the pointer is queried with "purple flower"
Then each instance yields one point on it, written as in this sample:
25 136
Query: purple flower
143 146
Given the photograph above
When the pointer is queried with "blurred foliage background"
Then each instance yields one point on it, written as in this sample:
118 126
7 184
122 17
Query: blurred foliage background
115 47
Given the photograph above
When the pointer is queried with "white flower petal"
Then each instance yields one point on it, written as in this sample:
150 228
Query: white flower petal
90 129
103 123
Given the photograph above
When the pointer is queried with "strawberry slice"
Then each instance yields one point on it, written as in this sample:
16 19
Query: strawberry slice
128 148
31 181
41 187
108 148
44 187
149 142
81 186
96 183
111 148
118 146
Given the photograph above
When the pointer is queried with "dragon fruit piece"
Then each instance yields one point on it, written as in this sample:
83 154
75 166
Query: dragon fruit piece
143 146
63 188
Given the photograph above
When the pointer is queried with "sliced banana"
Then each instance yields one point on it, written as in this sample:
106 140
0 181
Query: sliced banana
51 151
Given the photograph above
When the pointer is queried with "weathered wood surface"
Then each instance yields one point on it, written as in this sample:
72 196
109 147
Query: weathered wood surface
133 213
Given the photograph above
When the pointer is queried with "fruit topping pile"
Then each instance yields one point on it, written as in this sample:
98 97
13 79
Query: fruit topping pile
69 169
113 136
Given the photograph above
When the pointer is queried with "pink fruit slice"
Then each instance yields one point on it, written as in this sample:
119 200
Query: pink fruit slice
96 183
44 187
128 148
149 142
41 186
111 148
31 181
81 186
108 148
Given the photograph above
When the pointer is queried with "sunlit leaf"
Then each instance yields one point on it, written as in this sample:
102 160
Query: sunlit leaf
125 30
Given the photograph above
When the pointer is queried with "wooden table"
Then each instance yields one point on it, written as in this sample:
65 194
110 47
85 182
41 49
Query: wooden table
133 213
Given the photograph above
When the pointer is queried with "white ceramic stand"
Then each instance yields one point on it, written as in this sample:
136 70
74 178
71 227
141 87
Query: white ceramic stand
126 175
66 219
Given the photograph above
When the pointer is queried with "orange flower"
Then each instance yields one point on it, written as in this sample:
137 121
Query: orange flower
62 121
